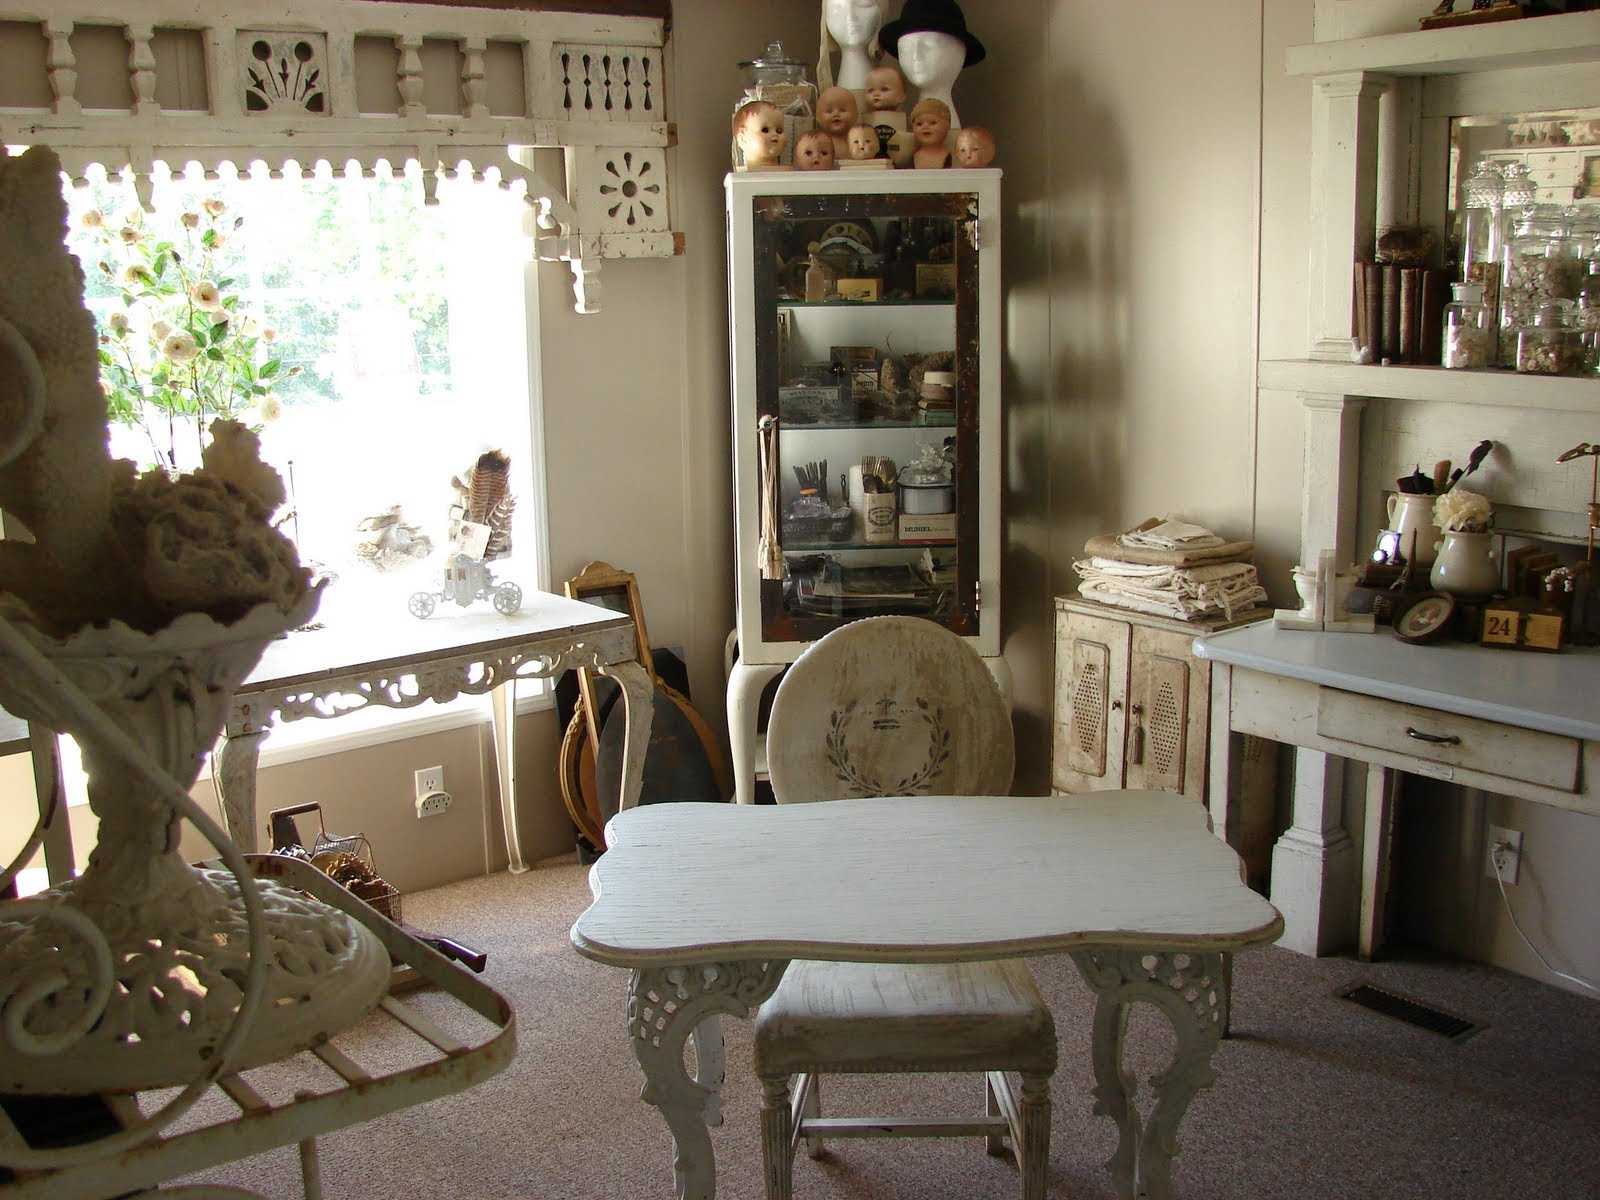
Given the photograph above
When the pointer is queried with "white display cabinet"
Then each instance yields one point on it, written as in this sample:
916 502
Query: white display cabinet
824 385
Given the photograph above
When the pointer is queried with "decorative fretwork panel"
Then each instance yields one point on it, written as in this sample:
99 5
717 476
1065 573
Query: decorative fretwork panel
276 81
1167 723
607 83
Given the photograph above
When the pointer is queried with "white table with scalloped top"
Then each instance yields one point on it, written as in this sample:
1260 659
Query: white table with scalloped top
707 903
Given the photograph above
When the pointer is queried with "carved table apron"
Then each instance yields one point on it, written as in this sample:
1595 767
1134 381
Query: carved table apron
339 669
707 903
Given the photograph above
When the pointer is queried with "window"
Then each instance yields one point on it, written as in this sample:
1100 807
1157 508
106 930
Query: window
378 344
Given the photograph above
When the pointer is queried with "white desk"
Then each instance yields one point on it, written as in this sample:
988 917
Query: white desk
707 903
1515 723
398 661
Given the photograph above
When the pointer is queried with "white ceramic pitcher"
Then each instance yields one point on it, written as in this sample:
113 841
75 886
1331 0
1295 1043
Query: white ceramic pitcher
1412 518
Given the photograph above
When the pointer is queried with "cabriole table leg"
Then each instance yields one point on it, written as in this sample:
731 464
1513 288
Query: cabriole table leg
666 1005
1192 990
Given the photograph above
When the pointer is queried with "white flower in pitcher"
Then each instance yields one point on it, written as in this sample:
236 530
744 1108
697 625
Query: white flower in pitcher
181 348
1461 511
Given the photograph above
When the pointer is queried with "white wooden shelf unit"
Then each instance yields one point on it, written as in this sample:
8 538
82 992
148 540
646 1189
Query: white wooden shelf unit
1382 109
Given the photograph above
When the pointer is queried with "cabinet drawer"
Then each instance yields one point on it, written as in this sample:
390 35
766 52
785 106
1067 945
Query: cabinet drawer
1546 759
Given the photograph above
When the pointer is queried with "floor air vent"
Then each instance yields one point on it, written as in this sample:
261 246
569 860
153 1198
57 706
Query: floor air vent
1412 1012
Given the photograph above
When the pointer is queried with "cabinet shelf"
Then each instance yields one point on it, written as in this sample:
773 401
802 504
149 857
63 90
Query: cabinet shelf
1532 42
1502 389
815 547
921 303
942 421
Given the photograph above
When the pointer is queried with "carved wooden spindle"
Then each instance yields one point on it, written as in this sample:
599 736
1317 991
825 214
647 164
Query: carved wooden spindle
142 69
61 65
410 75
473 89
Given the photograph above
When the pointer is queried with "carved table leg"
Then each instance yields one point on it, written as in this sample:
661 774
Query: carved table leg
236 785
503 713
711 1066
666 1005
1192 990
745 684
636 694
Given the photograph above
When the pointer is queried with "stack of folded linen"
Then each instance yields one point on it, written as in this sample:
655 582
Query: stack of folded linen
1171 569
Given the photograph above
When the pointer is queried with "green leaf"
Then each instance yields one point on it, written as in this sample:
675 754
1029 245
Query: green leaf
219 331
269 368
214 354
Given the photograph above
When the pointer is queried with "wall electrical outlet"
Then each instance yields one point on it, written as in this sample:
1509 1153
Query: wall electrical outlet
432 799
1511 857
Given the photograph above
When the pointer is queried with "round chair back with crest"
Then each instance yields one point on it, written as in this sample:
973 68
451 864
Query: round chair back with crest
889 706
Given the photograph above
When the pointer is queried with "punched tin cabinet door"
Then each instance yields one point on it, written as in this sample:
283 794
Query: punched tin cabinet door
1091 691
1168 699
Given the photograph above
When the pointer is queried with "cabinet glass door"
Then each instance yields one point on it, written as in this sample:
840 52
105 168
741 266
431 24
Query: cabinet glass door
866 340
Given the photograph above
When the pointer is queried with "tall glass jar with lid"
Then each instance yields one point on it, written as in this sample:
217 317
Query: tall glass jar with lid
782 81
1482 231
1589 318
1541 266
1469 329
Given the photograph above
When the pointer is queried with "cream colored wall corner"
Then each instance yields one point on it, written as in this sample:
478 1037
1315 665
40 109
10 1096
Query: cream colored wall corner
1130 144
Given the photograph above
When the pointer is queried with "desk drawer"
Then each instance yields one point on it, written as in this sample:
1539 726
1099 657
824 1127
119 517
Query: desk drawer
1546 759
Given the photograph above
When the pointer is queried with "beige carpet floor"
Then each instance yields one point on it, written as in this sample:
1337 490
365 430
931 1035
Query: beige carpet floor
1314 1097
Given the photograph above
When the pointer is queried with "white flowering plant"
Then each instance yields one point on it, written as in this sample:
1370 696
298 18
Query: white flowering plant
1460 511
178 353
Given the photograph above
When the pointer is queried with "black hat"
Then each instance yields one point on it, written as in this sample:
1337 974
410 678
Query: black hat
931 16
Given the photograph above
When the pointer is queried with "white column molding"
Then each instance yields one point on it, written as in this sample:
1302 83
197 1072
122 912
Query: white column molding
473 88
1332 465
1314 862
1398 198
61 66
409 75
1344 190
142 69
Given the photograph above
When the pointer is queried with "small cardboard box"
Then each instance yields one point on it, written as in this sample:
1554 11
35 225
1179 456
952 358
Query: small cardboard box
868 290
936 281
930 527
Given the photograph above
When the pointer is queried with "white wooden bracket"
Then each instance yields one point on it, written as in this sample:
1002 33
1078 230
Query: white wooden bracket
295 83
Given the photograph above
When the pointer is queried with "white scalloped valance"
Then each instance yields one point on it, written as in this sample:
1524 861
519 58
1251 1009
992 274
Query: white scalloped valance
135 85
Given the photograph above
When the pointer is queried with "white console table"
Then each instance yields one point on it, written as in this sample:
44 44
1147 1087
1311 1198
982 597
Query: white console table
1511 722
400 662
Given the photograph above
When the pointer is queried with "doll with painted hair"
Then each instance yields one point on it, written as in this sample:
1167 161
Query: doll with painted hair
759 132
930 129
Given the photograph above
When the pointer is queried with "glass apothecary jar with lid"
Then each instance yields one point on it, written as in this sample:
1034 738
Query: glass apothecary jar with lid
1589 318
1482 240
1469 329
781 81
1583 227
1550 344
1541 266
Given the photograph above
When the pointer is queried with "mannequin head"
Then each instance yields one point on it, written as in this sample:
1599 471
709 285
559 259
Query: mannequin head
814 151
930 122
864 142
931 60
837 111
758 131
886 89
851 28
974 147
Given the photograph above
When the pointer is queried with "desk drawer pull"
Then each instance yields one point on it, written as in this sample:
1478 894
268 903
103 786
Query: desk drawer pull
1435 739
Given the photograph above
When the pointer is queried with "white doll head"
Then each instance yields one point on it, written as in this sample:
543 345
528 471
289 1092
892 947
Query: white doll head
758 130
864 143
886 89
814 151
974 147
837 110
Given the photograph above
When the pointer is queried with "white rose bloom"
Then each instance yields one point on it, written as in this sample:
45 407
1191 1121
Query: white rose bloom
159 330
134 273
215 207
93 219
270 408
269 334
205 295
117 322
180 348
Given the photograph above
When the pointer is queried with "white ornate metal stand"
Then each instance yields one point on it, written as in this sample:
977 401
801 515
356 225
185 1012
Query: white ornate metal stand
134 974
408 1041
330 672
